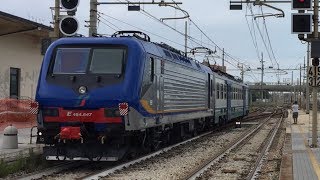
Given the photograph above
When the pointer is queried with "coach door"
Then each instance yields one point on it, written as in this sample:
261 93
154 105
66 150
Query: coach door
244 97
209 91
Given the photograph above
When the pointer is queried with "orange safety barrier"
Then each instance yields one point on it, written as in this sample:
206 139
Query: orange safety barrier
16 110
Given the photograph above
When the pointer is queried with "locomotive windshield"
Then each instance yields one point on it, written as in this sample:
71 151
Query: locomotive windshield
89 60
71 60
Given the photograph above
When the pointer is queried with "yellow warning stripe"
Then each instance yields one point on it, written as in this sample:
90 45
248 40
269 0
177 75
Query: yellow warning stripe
150 110
313 159
147 107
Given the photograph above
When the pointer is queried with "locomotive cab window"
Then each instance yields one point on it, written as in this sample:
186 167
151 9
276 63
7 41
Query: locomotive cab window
71 60
107 61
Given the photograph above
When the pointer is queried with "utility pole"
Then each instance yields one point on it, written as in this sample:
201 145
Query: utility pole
315 89
262 73
307 86
240 66
56 19
223 58
300 82
292 93
242 73
186 38
93 17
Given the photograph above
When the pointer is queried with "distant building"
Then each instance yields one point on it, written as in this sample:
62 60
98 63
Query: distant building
20 55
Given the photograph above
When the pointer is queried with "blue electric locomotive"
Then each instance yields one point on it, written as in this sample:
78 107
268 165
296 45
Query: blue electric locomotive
103 98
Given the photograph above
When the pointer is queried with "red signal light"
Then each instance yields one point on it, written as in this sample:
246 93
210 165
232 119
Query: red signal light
302 1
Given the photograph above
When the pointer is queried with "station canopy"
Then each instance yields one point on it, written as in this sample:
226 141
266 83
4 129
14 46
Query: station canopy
11 25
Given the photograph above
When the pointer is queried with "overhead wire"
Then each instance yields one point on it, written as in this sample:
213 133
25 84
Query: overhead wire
268 38
192 39
252 34
103 14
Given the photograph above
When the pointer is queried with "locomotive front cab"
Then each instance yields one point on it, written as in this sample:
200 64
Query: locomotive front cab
84 93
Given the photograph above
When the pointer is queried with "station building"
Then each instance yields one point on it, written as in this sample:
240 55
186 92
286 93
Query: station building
21 55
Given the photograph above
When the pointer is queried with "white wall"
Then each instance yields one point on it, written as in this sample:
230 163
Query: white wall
24 52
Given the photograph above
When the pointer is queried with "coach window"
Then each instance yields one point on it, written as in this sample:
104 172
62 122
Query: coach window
221 91
237 93
218 90
14 82
225 91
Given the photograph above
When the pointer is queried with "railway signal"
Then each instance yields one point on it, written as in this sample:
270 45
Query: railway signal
70 5
301 4
68 24
301 23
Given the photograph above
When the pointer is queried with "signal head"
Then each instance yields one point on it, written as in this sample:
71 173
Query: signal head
68 26
301 4
315 61
69 5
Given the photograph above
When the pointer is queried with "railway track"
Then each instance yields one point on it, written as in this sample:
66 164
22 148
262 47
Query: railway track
223 166
255 172
126 165
85 170
141 167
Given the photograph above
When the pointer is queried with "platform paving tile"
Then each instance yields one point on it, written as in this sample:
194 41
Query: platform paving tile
297 142
302 167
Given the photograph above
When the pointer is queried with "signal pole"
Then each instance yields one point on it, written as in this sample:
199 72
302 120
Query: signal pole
307 86
56 18
262 73
93 17
315 88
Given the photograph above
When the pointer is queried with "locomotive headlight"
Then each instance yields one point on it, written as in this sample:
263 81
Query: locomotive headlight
40 133
82 89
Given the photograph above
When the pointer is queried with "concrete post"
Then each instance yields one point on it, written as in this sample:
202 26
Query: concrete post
315 89
93 17
10 138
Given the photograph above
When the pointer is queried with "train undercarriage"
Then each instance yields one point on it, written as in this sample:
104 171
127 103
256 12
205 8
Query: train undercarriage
117 143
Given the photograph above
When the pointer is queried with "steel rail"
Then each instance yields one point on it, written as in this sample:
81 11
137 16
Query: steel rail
52 170
127 164
234 144
254 173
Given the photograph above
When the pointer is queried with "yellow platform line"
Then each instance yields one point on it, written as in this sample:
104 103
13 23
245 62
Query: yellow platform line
312 157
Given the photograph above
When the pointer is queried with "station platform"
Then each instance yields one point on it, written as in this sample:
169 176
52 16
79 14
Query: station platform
300 161
25 146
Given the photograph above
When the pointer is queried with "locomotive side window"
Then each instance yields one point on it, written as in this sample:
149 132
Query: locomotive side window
107 61
152 69
71 60
148 75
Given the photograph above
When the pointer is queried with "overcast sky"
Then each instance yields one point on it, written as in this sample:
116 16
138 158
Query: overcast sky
228 29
